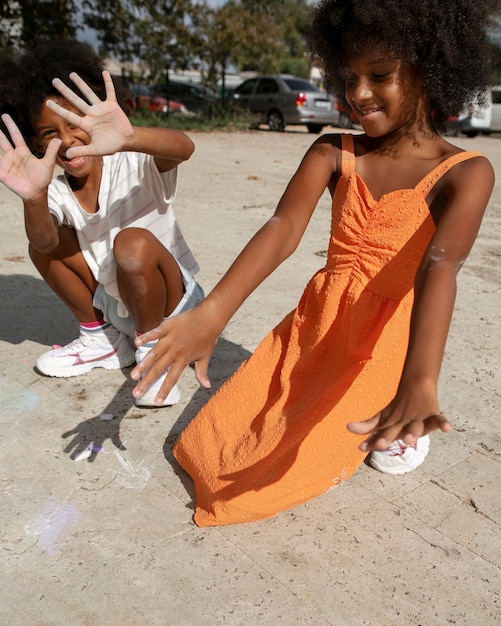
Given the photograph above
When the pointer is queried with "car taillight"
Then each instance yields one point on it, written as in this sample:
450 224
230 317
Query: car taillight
301 99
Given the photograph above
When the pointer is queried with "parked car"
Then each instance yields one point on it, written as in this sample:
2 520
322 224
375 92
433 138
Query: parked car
283 100
476 119
346 115
142 96
496 110
195 98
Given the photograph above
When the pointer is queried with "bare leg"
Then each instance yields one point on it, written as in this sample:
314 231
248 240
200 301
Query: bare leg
149 278
68 275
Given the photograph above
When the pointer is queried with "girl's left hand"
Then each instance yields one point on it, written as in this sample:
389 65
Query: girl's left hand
413 412
104 121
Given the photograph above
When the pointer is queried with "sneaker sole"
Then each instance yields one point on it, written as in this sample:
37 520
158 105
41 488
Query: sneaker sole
111 363
148 399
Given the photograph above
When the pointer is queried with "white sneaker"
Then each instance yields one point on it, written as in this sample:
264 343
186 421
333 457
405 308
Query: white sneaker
400 458
104 347
148 398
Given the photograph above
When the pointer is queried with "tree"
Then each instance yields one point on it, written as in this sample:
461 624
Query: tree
254 36
25 22
266 37
153 32
113 21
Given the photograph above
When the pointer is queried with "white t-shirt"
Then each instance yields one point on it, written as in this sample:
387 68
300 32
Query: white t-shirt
132 193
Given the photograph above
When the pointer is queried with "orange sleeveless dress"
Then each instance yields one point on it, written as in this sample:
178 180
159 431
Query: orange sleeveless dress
274 435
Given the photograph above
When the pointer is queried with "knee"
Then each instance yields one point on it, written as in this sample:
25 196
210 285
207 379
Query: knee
132 248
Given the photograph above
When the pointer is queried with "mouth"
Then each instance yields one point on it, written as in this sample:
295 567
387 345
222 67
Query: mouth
73 163
366 111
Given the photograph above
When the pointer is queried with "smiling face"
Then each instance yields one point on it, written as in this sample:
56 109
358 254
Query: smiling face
52 126
386 94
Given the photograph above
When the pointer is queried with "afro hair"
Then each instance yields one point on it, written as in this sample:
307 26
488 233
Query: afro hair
446 40
26 79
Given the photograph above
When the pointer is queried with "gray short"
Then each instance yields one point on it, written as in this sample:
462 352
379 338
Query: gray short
193 294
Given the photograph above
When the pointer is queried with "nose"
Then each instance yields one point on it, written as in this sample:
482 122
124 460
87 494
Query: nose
360 92
66 137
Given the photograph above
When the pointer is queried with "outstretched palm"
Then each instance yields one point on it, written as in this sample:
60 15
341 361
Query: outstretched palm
104 121
20 170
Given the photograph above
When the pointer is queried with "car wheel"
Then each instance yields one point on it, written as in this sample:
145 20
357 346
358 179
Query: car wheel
276 121
314 128
344 121
471 133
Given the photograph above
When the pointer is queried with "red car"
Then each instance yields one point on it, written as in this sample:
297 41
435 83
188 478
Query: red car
141 97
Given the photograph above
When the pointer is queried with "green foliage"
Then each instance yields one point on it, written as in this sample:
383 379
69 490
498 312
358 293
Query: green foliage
157 33
266 37
31 21
227 120
113 20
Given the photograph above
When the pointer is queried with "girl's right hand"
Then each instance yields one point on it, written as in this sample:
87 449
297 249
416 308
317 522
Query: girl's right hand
189 337
20 170
104 121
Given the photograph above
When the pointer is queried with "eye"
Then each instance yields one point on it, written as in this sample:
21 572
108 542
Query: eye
381 76
47 133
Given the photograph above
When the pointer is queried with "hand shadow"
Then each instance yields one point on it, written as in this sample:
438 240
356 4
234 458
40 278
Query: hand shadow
88 437
226 359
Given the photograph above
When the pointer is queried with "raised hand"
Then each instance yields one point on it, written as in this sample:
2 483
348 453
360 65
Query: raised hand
20 170
104 121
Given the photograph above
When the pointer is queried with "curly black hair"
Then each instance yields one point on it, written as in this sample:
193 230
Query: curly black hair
26 79
446 40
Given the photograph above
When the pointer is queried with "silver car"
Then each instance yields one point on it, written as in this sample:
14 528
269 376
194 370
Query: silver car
284 100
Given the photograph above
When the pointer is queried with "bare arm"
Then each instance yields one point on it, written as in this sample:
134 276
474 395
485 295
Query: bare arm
415 411
192 335
110 130
29 177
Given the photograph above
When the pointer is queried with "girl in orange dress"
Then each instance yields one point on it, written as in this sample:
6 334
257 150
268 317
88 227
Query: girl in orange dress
354 368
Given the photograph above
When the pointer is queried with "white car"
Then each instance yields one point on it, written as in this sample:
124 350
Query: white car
485 120
496 110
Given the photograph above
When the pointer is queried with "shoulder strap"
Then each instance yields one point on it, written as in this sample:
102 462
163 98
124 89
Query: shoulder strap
348 154
427 183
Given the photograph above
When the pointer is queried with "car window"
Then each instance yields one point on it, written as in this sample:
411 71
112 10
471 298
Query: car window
140 90
297 84
247 87
496 96
186 90
267 85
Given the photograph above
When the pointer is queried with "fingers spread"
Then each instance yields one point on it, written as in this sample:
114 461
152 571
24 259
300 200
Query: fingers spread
70 96
84 89
66 114
52 150
362 428
109 86
14 133
201 372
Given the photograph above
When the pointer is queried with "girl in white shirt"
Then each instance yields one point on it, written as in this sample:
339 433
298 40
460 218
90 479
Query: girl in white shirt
103 235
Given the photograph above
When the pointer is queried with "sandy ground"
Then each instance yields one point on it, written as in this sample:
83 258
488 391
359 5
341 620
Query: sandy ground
109 539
